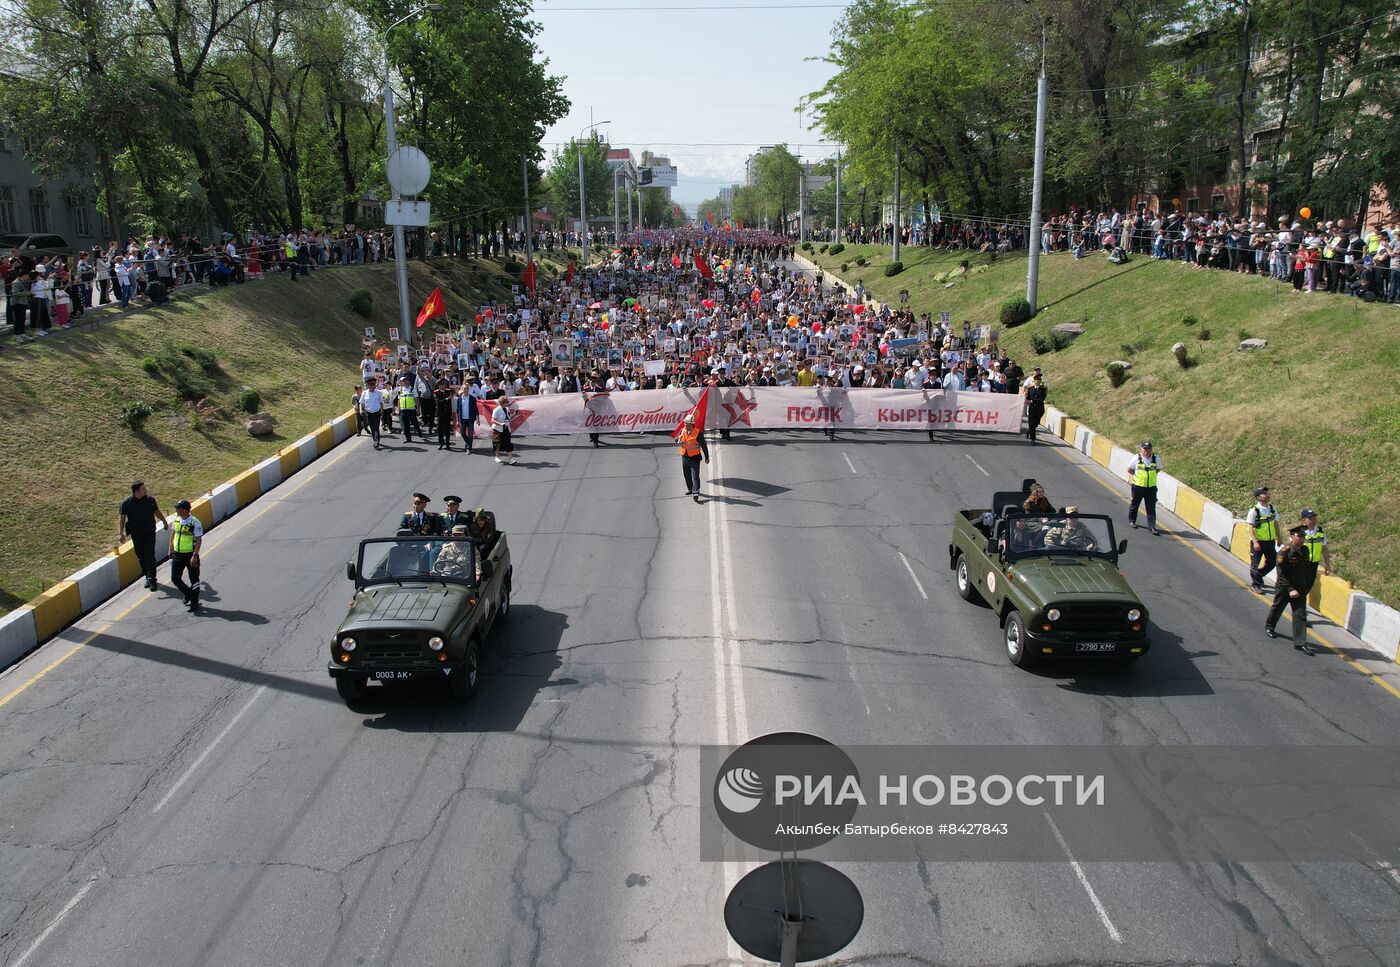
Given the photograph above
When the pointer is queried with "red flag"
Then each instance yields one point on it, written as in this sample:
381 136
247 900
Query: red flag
756 294
699 410
703 268
433 307
569 275
675 261
530 276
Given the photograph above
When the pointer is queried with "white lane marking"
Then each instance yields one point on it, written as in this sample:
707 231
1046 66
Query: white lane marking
977 465
922 592
53 924
210 748
729 684
1084 881
848 462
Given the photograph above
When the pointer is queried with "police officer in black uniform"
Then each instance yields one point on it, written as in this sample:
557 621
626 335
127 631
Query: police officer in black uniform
455 515
421 521
442 416
1293 580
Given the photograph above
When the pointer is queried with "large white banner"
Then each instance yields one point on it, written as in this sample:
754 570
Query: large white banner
765 408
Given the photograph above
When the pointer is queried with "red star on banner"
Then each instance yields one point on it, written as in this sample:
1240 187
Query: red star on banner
740 409
517 416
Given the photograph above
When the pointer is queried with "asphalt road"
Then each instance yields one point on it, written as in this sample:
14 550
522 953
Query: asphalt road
190 790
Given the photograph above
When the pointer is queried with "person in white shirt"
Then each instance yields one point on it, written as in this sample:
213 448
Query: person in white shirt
370 405
500 431
952 380
916 376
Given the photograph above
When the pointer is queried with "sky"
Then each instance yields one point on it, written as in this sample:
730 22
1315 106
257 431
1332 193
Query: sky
703 82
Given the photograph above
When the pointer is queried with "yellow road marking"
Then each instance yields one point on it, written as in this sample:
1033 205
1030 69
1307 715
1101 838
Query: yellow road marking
1216 564
140 601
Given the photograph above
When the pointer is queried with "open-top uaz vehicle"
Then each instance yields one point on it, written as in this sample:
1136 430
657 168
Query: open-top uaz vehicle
422 608
1052 579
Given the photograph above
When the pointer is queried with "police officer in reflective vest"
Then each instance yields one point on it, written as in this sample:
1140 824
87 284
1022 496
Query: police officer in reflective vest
1315 541
186 536
692 447
1296 575
1263 538
408 408
1142 474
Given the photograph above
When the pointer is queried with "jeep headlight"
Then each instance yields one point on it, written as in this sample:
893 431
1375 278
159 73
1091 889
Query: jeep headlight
1052 614
435 643
347 644
1134 615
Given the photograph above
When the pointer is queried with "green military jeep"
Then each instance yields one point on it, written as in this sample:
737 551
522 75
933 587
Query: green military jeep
1053 580
422 609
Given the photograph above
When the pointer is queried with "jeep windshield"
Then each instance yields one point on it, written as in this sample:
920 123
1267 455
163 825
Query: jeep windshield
417 559
1048 535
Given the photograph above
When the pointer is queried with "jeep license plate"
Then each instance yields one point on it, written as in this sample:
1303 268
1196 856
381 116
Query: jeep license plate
391 676
1095 646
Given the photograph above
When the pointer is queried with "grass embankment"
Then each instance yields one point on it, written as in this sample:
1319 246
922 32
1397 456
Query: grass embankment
1314 416
69 458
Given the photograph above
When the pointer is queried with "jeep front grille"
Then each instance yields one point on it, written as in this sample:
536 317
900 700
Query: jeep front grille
1092 617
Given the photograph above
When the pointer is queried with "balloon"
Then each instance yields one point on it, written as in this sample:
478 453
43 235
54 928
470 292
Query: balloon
816 327
478 317
604 326
792 322
708 303
487 313
858 309
1305 212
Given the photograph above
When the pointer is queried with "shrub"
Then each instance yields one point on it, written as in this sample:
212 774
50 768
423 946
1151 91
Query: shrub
806 246
838 248
860 260
1244 334
362 302
894 268
1015 311
965 265
1059 340
150 367
1189 320
1183 358
204 357
824 249
1117 375
845 266
196 421
1203 335
248 400
514 268
1039 344
134 415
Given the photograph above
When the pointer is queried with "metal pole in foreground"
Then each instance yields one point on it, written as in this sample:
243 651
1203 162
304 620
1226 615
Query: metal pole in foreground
617 210
895 233
582 199
1042 96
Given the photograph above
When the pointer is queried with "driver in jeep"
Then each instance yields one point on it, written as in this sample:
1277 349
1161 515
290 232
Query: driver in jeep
1071 534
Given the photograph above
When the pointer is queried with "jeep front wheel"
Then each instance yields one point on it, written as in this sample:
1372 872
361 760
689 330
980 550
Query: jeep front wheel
1017 650
463 679
352 688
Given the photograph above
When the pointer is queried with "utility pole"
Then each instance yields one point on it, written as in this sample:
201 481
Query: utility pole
1042 97
895 234
617 210
582 199
529 217
838 196
801 201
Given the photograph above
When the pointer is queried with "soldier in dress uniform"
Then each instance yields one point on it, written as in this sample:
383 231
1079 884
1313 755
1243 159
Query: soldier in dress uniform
455 516
1292 581
420 520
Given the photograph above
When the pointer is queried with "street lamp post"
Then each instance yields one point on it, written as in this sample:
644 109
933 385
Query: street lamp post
1042 97
400 264
582 198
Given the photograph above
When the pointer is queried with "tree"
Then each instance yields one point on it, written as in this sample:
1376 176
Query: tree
778 178
562 178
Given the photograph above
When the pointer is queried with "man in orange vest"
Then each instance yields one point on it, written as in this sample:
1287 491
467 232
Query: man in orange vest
692 447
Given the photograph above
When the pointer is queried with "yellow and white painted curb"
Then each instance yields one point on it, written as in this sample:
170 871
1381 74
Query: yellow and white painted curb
1376 624
31 624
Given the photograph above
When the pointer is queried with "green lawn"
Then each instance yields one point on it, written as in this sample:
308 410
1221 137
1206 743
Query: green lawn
1314 416
69 459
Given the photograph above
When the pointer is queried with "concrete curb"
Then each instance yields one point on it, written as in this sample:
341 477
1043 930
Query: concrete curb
1376 624
30 625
